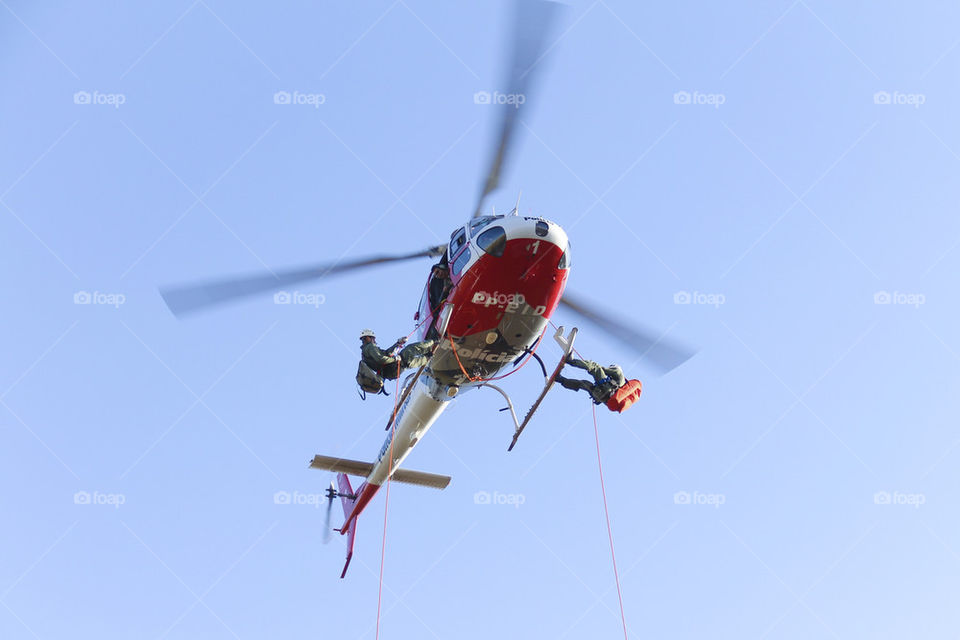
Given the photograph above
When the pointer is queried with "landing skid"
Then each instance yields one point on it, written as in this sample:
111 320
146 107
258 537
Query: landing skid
566 343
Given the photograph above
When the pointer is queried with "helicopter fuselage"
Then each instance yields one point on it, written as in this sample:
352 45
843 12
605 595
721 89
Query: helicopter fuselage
508 274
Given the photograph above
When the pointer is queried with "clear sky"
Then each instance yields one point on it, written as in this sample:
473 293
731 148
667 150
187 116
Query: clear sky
796 479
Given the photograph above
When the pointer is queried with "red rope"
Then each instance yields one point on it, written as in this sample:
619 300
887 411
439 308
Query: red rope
603 491
536 345
386 503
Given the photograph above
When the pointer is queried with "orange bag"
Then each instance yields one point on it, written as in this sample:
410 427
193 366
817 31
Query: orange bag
625 396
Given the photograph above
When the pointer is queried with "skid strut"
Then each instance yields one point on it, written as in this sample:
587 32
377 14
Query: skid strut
566 343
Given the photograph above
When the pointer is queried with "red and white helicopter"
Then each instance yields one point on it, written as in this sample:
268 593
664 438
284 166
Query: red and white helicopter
508 275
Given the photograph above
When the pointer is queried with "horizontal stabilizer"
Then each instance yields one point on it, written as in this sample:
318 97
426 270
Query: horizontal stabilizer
421 479
342 465
363 469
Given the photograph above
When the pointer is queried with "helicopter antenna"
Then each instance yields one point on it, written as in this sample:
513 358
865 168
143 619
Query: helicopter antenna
516 209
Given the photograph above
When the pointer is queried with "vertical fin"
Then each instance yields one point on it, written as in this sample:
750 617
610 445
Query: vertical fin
347 500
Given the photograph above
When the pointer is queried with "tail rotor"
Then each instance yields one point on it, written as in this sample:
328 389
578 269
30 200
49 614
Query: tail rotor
331 495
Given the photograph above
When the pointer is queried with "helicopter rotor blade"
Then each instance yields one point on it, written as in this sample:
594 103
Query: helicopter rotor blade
662 354
182 300
532 24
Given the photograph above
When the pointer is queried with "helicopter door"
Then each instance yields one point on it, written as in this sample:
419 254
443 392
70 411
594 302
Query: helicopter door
459 252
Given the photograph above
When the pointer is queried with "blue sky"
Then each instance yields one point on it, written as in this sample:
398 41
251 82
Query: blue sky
789 166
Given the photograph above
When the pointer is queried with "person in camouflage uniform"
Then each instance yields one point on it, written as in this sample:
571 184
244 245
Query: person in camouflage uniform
389 366
606 380
437 291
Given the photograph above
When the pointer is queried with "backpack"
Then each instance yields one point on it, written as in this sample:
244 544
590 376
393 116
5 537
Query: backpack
369 380
625 396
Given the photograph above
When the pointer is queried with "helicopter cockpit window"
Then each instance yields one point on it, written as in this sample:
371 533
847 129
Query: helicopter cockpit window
457 239
493 241
565 259
461 261
480 223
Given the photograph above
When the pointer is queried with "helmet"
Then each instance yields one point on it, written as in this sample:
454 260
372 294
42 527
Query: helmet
367 333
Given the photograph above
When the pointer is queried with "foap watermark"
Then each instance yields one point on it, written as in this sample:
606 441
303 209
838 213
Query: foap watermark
698 97
99 498
899 98
296 497
96 97
512 99
497 498
298 297
899 498
698 297
710 499
899 297
100 298
297 97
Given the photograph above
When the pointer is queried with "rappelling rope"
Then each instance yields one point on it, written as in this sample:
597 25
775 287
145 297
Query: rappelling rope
606 512
386 503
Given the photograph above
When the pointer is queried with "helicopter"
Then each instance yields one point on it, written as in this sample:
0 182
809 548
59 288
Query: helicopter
507 277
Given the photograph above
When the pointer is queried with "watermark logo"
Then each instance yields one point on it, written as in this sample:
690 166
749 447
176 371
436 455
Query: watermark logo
899 98
512 99
699 98
497 298
298 297
497 498
296 97
100 298
899 297
899 498
697 498
111 99
99 498
509 302
697 297
297 498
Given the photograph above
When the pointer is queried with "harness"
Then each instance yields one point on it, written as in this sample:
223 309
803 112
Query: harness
606 384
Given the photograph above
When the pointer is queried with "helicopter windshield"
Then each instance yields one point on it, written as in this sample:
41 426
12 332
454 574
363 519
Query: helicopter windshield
480 223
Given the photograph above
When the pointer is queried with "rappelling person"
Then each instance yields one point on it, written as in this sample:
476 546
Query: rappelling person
377 364
609 386
437 291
